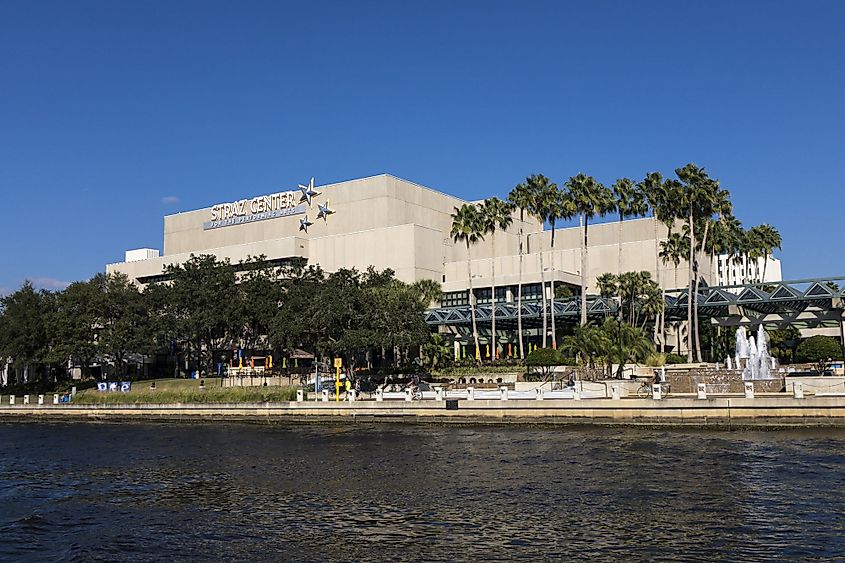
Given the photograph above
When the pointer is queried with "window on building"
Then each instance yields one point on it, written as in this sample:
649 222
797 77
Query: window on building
483 296
531 292
454 299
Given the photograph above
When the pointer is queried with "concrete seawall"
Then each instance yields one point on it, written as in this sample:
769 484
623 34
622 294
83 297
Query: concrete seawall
761 411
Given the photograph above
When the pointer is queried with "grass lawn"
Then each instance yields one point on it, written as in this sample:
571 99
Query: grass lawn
186 391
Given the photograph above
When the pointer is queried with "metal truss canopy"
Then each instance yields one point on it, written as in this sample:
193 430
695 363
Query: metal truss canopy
804 303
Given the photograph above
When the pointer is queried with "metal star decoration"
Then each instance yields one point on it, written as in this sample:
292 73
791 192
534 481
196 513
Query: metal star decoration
324 211
308 192
304 223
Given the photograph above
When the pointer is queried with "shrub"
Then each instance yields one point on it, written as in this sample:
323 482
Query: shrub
544 360
817 349
673 358
656 360
141 394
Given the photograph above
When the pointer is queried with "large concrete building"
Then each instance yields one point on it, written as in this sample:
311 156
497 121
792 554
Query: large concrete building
388 222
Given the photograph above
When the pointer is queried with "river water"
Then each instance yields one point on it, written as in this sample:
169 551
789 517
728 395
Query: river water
91 492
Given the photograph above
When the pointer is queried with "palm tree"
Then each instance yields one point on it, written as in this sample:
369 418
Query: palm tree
495 214
587 343
659 196
541 188
770 240
673 249
624 343
630 202
554 205
521 197
652 190
724 236
608 285
590 198
752 248
714 200
697 197
468 227
652 303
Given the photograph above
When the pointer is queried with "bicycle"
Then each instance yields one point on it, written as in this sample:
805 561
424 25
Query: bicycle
416 394
646 390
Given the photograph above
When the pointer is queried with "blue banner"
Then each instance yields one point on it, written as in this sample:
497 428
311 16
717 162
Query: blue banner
114 386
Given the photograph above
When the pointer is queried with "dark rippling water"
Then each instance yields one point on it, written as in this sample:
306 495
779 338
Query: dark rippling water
242 492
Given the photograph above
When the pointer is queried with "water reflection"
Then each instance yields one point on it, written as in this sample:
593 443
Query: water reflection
227 491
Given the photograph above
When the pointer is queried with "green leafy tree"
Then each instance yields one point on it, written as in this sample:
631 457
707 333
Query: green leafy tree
783 343
293 326
24 339
818 350
259 294
352 315
74 325
563 291
202 301
544 361
123 319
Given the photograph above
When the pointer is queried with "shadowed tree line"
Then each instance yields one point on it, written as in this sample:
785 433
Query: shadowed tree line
207 308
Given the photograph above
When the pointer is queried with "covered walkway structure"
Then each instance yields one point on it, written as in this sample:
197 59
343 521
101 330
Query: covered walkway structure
806 303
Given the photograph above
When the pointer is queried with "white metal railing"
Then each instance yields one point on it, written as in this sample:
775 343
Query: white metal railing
245 371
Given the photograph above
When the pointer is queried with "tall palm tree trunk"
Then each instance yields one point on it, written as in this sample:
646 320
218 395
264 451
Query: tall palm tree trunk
765 263
690 285
697 286
519 311
619 265
584 221
543 298
472 305
678 263
554 330
519 287
493 350
661 318
657 278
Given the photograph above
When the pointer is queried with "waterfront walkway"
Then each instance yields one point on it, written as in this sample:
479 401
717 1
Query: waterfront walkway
769 410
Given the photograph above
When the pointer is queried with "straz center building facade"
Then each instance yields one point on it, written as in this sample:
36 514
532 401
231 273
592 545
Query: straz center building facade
387 222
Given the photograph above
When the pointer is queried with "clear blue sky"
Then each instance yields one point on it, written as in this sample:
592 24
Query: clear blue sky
113 114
